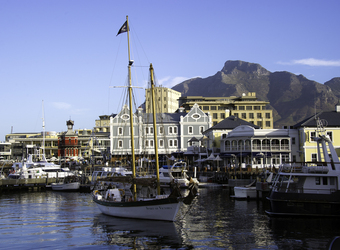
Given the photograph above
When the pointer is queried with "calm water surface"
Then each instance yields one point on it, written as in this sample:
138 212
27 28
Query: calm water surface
55 220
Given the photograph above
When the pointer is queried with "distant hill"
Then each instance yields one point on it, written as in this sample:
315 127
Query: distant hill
292 97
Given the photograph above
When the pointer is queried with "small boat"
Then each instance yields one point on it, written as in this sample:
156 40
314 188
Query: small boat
176 173
249 191
70 183
127 202
245 192
310 189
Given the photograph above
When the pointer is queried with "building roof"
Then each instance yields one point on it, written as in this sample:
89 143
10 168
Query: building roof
163 117
231 122
332 119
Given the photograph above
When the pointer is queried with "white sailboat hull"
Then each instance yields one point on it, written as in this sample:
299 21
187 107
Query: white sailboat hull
141 210
65 186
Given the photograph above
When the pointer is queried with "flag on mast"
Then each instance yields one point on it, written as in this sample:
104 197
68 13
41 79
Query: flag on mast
123 29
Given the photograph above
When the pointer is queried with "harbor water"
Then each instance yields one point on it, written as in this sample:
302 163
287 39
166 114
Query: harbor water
57 220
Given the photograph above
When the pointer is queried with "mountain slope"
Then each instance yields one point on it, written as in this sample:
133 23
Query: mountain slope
292 97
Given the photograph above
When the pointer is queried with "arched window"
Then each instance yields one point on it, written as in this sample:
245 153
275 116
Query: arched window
227 145
247 144
285 144
275 144
234 145
241 145
256 144
265 144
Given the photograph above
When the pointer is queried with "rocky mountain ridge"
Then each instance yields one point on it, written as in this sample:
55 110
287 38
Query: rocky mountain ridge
292 97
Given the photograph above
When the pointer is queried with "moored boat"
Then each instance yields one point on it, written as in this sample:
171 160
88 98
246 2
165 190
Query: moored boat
311 189
126 202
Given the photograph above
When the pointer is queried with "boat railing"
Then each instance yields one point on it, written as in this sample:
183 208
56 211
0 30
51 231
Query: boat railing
293 188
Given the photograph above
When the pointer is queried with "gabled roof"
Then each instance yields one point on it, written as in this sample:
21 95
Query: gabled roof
332 119
162 117
230 123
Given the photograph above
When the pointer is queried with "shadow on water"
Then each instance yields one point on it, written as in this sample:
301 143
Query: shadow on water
136 234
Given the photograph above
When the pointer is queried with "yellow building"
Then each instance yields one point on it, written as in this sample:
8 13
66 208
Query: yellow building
166 100
308 129
245 107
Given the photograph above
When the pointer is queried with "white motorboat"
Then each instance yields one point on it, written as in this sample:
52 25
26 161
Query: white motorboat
70 183
176 173
36 166
61 186
249 191
310 189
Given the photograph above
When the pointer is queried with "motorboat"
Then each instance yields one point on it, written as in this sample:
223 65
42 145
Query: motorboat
309 189
176 173
70 183
249 191
36 166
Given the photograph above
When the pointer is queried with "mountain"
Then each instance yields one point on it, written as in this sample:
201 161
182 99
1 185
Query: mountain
292 97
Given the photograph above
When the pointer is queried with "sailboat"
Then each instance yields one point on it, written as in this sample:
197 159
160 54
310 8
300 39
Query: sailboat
119 202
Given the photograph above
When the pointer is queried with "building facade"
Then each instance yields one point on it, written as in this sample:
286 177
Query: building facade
166 100
248 146
245 107
174 131
308 129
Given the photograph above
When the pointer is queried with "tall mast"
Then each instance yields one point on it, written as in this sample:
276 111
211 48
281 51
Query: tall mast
131 112
154 126
43 125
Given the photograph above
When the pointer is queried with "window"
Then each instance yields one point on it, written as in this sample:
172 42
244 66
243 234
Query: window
267 123
312 134
293 140
190 130
175 130
241 108
317 180
259 123
251 115
213 108
161 130
236 114
294 158
330 135
215 116
268 115
259 115
201 129
120 144
244 116
170 130
205 107
257 107
161 143
222 115
314 158
173 143
324 181
249 108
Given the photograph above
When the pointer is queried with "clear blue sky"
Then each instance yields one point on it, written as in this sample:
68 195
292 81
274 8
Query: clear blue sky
66 52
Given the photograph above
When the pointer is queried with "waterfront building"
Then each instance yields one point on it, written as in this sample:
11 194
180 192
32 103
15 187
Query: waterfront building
247 146
5 151
102 124
166 100
246 107
307 129
68 145
174 131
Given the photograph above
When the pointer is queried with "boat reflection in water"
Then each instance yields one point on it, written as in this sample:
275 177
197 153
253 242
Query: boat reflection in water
137 234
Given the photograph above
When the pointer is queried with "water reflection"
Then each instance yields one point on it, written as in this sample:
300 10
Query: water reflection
136 234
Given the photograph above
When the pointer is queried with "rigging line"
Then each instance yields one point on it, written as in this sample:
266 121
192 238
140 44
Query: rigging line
113 69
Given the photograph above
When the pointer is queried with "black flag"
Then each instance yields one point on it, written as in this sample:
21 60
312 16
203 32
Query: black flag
123 29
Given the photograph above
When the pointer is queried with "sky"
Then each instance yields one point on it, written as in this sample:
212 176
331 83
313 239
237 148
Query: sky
60 58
